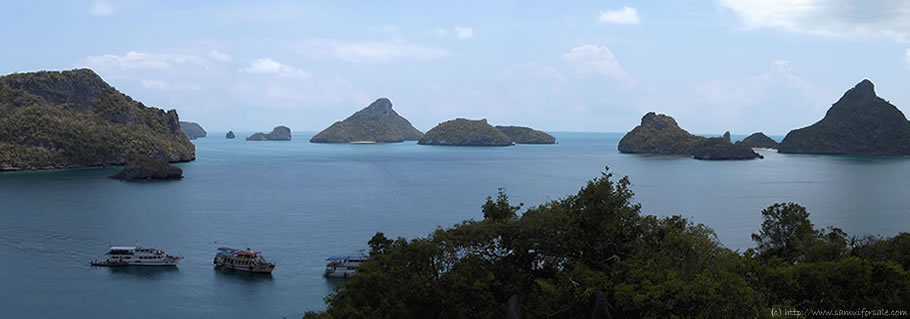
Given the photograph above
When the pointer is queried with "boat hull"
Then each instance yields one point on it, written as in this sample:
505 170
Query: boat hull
228 265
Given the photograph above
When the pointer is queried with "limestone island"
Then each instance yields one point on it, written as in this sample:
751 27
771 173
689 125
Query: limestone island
759 140
377 123
464 132
526 135
279 133
229 135
860 123
145 168
659 134
192 130
74 119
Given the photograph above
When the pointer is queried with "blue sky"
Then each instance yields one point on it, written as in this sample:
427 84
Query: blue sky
743 66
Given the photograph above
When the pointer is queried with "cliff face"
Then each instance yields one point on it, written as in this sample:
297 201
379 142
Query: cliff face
860 123
659 134
375 123
279 133
464 132
72 119
192 130
759 140
526 135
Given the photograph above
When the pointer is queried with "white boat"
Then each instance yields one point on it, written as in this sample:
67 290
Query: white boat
137 255
343 266
242 260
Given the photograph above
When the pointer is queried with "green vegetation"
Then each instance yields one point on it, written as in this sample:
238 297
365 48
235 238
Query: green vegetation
143 168
192 130
70 119
375 123
759 140
659 134
464 132
558 256
860 123
526 135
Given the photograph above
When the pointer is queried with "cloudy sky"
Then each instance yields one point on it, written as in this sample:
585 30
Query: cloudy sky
738 65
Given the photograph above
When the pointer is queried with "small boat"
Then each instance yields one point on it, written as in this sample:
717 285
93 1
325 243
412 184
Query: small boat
121 256
242 260
342 266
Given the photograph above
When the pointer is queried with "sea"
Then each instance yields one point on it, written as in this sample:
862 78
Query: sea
299 203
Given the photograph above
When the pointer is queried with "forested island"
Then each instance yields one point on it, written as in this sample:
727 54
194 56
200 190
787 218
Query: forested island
594 254
659 134
279 133
759 140
465 132
192 130
377 123
526 135
73 119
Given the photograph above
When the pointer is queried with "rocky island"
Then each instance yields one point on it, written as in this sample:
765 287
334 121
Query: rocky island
377 123
142 168
659 134
860 123
73 119
464 132
229 135
759 140
279 133
192 130
526 135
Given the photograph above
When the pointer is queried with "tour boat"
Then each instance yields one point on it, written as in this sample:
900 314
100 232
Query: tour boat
343 266
119 256
242 260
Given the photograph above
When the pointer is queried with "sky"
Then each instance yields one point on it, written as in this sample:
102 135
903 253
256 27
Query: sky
596 66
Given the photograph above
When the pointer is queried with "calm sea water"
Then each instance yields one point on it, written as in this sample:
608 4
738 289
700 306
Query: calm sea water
299 203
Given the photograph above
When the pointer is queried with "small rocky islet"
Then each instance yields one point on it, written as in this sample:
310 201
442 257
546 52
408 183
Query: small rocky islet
230 135
147 168
376 123
192 130
660 134
279 133
759 140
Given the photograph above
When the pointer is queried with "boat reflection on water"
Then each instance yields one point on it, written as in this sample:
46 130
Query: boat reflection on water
141 272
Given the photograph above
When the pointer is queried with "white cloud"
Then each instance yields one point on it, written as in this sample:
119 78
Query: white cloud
591 59
267 65
168 86
140 60
219 56
370 51
464 32
625 15
102 8
834 18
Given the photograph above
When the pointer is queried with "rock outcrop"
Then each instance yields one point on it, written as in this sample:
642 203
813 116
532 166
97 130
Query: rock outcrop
229 135
279 133
860 123
144 168
72 119
526 135
464 132
376 123
759 140
192 130
659 134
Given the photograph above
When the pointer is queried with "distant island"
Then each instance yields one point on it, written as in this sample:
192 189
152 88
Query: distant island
279 133
141 168
860 123
73 119
659 134
526 135
192 130
759 140
377 123
229 135
464 132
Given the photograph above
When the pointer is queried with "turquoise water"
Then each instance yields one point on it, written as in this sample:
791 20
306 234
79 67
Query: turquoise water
299 203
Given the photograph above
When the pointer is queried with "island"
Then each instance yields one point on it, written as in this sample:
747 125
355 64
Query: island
192 130
147 168
74 119
860 123
526 135
464 132
759 140
229 135
660 134
377 123
279 133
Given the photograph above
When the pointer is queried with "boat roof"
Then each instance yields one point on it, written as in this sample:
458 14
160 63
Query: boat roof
347 258
230 250
123 247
